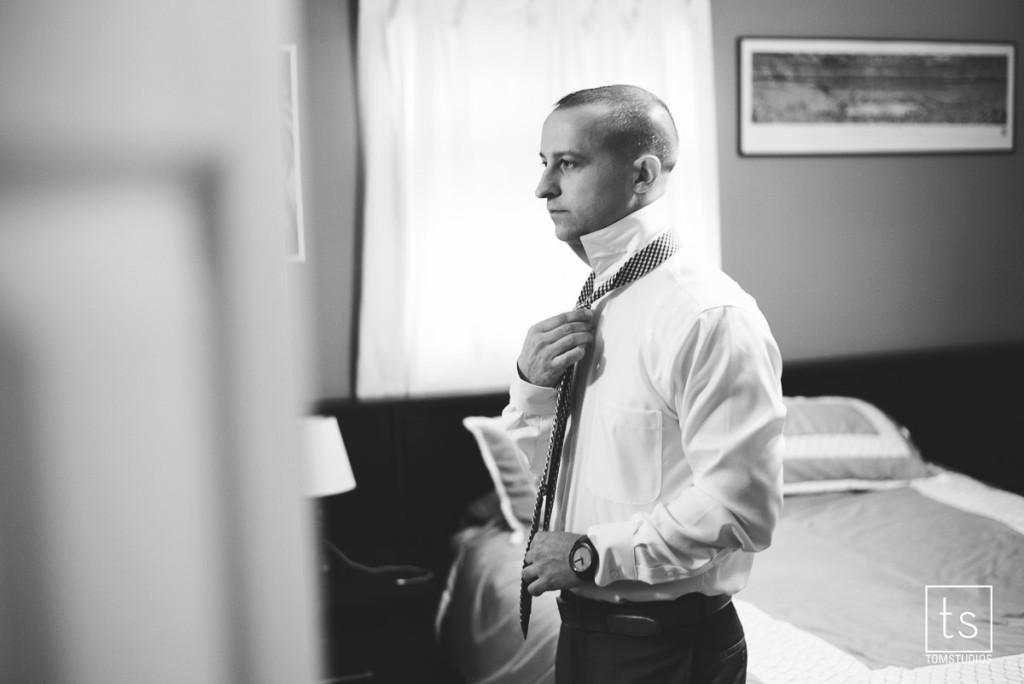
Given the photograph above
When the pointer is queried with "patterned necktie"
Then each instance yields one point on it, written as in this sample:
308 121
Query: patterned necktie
638 265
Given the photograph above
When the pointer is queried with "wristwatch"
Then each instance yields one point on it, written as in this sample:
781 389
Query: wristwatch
583 559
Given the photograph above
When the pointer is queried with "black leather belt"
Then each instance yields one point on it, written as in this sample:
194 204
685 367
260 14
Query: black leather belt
640 618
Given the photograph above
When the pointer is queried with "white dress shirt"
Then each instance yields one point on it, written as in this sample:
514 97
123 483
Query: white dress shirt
672 461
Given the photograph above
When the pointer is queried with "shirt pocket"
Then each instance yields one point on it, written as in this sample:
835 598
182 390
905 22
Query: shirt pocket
624 458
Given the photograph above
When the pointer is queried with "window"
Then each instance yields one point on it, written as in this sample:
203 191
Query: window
459 256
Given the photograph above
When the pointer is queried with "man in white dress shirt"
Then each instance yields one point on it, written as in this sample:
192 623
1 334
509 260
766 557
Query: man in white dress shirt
671 468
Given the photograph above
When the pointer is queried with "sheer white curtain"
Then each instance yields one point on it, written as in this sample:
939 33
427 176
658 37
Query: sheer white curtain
459 256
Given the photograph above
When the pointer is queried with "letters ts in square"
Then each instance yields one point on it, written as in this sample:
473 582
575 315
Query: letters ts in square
958 618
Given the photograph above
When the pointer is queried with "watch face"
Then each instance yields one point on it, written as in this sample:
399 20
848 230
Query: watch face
582 558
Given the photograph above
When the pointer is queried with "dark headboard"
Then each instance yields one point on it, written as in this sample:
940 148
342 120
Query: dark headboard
417 468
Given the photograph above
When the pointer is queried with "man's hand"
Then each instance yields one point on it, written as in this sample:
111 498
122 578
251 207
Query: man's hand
554 344
547 563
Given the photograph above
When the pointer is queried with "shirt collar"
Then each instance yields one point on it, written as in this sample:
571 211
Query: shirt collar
610 246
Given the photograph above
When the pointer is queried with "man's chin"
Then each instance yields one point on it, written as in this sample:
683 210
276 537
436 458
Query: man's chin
566 233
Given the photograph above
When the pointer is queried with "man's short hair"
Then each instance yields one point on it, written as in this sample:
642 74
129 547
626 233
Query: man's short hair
633 126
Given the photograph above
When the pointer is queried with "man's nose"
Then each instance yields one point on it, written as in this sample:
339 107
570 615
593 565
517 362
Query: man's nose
547 187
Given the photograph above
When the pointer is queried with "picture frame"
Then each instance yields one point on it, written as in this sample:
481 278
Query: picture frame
829 96
294 230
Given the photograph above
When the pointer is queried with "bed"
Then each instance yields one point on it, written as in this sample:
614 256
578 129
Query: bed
885 566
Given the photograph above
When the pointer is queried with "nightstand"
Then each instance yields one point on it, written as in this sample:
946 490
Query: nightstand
379 624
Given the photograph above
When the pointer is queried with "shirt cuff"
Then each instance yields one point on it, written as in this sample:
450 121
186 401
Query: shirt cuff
532 399
614 544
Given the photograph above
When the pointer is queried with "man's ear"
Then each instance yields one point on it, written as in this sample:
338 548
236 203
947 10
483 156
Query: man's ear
647 171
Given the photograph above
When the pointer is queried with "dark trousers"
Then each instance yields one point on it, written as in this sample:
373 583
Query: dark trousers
711 650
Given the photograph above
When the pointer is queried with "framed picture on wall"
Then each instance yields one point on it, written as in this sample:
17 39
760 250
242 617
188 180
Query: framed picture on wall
819 96
294 234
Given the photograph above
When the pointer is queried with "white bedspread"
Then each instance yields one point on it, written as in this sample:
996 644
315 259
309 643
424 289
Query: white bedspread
478 627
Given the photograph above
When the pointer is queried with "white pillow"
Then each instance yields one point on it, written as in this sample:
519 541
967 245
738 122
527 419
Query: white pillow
843 443
515 486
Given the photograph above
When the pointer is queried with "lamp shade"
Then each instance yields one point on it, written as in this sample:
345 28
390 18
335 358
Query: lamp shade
327 467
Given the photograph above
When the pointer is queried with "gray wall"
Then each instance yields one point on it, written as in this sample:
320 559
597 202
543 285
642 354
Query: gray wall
846 255
859 255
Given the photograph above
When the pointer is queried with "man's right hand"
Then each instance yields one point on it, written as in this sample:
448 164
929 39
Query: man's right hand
554 344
